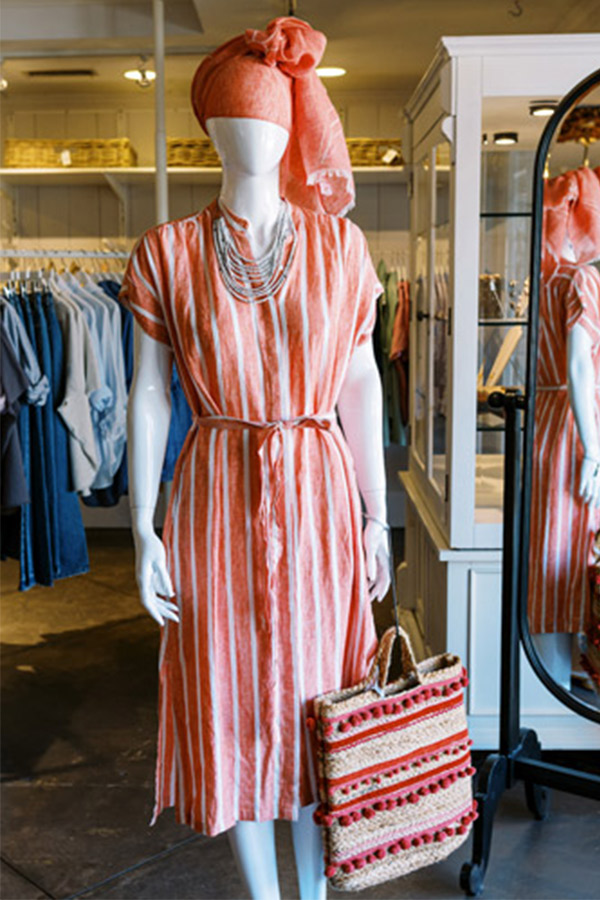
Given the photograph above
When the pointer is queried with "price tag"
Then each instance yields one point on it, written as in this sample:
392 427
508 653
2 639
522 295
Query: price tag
389 156
65 157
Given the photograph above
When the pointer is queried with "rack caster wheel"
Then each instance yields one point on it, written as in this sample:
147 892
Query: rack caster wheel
471 879
538 800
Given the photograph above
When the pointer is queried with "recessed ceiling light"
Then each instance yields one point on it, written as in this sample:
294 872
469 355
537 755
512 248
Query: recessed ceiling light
504 138
330 71
484 139
542 108
3 83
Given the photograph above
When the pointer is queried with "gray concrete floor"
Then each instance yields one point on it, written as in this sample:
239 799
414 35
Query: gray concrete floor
79 727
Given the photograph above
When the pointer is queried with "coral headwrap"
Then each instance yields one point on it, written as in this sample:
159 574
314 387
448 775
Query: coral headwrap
271 75
572 211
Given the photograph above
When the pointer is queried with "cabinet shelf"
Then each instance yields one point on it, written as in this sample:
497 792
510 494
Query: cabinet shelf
505 323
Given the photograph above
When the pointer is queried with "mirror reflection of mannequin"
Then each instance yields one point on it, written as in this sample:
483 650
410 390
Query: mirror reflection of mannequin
266 557
565 502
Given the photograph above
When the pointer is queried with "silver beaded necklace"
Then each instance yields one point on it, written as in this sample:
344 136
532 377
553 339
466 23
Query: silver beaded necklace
250 280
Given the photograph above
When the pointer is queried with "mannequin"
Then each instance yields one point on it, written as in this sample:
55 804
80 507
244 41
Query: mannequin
568 370
556 649
251 150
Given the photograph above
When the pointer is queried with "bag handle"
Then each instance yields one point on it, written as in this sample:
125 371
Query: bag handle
381 663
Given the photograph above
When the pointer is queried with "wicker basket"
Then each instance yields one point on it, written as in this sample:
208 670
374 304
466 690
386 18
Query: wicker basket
375 152
363 152
192 152
98 153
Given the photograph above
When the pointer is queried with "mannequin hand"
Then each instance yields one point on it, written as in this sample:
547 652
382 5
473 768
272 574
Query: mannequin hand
375 542
153 579
589 482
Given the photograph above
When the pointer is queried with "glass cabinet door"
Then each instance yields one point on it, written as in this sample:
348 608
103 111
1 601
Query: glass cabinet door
421 307
505 225
441 311
431 313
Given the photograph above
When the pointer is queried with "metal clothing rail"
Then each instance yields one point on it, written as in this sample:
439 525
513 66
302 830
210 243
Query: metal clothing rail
63 254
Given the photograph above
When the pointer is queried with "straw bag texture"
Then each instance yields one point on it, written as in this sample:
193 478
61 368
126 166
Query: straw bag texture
394 768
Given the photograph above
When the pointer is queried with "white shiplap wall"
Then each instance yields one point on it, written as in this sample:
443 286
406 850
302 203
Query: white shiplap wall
67 214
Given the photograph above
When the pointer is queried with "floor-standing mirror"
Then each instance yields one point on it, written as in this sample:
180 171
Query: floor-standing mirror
560 556
551 537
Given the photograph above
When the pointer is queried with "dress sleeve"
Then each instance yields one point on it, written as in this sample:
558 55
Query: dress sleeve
583 301
368 290
141 291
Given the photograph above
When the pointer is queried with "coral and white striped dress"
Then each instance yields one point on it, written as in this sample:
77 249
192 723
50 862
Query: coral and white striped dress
263 531
562 525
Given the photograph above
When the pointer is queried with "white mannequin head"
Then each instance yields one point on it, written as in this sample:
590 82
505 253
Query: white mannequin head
251 146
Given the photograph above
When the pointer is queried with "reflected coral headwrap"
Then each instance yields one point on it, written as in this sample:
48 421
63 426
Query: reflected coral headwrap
572 212
271 75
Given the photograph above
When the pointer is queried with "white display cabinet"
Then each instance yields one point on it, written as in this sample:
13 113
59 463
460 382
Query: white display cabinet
470 241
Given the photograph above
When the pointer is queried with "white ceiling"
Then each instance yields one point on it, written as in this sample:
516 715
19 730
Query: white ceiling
385 45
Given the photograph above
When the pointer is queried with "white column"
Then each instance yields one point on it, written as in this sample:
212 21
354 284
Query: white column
160 136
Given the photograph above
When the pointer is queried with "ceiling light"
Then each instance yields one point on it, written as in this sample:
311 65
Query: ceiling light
542 108
504 138
330 71
142 76
484 139
3 83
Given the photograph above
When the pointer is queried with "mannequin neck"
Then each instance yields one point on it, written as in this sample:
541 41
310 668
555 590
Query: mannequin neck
255 198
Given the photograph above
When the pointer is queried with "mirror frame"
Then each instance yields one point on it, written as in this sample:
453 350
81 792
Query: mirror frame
539 668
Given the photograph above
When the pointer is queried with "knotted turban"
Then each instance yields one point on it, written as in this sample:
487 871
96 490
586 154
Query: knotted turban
271 75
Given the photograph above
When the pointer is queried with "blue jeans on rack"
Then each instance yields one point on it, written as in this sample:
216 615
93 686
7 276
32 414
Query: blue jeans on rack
72 554
36 538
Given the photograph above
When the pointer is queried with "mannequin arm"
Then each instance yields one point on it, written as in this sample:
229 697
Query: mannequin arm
361 414
581 383
148 418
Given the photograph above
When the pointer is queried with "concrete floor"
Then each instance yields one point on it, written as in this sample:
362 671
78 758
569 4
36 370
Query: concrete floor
79 727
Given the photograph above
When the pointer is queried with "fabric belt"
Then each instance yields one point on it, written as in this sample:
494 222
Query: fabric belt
270 460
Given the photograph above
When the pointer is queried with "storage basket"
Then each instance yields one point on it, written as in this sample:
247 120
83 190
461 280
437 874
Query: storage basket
100 153
192 152
375 152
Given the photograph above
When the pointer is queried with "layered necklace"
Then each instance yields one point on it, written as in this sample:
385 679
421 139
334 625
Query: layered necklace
255 280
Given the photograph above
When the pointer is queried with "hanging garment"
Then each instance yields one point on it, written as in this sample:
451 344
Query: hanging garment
33 545
388 302
399 348
70 555
83 390
562 525
39 386
263 531
14 385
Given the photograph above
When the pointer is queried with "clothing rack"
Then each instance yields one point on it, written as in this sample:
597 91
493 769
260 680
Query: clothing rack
63 254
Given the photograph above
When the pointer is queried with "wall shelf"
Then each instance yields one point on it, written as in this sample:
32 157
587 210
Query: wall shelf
177 175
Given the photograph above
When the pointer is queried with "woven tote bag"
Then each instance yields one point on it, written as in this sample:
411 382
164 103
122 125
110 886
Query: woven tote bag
394 768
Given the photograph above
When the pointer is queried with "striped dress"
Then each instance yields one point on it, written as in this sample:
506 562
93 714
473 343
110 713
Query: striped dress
263 530
562 525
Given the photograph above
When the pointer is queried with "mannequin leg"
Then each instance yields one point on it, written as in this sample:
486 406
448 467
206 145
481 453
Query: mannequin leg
253 846
555 652
308 850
